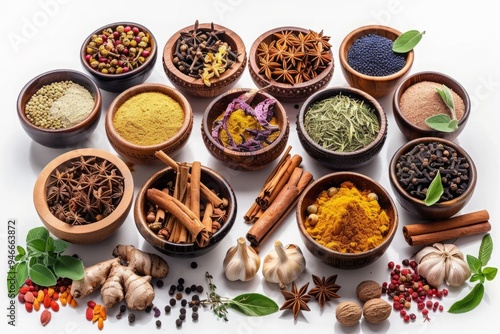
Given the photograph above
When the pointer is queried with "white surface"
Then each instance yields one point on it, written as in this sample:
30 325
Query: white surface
461 41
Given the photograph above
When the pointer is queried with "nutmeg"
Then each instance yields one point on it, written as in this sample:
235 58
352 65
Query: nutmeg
376 310
367 290
348 313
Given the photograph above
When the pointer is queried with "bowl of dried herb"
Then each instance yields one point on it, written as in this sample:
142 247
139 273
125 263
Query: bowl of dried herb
245 129
291 62
83 196
432 178
342 127
204 59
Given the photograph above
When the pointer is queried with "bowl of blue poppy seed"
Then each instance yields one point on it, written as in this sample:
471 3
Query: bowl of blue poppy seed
369 63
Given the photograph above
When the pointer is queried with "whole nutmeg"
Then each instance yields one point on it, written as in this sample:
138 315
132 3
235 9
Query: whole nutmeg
367 290
376 310
348 313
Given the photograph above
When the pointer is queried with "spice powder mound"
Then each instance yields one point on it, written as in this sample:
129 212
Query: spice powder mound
350 221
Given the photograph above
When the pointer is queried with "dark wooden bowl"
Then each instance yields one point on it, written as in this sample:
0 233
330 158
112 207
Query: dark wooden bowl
66 137
338 259
117 83
416 207
146 154
342 160
243 160
412 131
286 92
195 86
93 232
375 86
158 180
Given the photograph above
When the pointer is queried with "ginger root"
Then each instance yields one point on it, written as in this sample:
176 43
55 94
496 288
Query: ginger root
93 278
142 262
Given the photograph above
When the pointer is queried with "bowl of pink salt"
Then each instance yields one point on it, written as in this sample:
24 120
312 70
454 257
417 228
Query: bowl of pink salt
148 118
417 101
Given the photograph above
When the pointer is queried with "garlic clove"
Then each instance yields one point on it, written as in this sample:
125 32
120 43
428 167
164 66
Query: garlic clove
241 262
453 250
433 270
283 264
425 252
457 271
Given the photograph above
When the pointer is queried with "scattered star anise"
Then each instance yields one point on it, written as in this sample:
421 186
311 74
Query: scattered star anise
325 289
296 299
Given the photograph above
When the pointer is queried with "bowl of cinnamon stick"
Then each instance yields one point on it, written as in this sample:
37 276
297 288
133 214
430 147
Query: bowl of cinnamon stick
185 209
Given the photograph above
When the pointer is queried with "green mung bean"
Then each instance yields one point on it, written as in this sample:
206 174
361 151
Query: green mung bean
341 123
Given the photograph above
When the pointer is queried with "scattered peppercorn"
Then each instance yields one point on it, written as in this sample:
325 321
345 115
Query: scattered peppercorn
172 301
199 289
182 316
194 265
182 310
131 318
178 322
184 302
171 292
158 323
159 283
168 308
148 308
181 280
178 296
187 290
194 316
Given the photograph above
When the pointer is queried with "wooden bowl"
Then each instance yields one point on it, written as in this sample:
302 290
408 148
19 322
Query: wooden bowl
65 137
286 92
195 86
416 207
412 131
119 82
146 154
92 232
212 180
338 259
243 160
342 160
375 86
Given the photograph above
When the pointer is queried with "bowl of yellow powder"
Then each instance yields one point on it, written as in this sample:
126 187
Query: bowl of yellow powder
148 118
346 219
246 129
59 108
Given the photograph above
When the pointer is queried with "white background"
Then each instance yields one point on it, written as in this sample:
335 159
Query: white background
461 40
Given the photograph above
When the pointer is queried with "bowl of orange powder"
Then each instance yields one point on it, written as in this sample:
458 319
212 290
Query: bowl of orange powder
346 219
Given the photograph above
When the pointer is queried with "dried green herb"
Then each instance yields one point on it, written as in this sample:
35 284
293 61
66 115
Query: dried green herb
407 41
443 122
434 191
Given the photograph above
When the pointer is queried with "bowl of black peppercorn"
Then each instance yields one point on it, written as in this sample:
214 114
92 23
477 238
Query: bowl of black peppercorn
415 165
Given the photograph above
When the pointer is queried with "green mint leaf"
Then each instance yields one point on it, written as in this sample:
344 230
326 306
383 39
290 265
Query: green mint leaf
470 301
35 245
49 259
42 275
434 191
69 266
447 97
476 277
253 304
442 122
49 245
474 264
407 41
60 246
37 233
490 273
21 251
485 249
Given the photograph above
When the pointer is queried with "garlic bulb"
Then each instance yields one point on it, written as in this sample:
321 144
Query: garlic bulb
283 264
442 263
241 262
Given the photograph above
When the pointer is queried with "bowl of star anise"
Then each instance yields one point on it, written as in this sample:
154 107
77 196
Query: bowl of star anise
83 196
292 63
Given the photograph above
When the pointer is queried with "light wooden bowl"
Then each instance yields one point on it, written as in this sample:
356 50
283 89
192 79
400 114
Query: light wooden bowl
375 86
195 86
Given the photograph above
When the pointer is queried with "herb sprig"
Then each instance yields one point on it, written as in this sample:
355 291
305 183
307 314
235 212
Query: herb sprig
407 41
480 273
443 122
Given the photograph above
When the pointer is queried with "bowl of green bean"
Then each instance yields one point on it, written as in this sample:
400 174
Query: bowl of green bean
342 127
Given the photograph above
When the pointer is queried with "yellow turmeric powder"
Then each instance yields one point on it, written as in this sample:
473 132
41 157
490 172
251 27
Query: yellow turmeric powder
349 221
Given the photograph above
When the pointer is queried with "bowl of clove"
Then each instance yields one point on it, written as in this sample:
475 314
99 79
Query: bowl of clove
432 178
245 129
83 196
191 226
204 59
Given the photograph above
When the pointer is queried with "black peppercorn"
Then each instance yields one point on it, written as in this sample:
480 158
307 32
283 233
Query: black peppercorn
194 316
182 316
183 302
182 310
178 322
131 318
180 280
159 283
187 290
172 301
168 308
199 289
158 323
194 265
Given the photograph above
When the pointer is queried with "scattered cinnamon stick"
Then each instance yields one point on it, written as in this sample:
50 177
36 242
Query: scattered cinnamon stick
454 227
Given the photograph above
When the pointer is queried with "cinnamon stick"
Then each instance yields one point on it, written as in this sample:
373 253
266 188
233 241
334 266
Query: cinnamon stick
194 188
433 237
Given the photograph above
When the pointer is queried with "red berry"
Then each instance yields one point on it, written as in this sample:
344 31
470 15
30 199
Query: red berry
402 313
445 292
441 308
127 29
390 265
428 304
406 318
425 311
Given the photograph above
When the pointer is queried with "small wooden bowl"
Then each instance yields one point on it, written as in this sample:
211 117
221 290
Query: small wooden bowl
195 86
93 232
342 160
66 137
334 258
416 207
146 154
119 82
375 86
286 92
211 179
412 131
243 160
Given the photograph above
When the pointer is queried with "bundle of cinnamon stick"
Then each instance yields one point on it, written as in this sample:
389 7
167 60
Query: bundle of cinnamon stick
452 228
277 198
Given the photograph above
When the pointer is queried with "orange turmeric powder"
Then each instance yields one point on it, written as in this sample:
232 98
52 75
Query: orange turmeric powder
348 220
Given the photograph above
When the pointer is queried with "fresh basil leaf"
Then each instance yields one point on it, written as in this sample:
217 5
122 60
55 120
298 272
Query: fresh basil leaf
434 191
21 251
474 264
60 246
490 273
37 233
254 304
42 275
475 277
407 41
69 266
442 122
36 245
485 249
470 301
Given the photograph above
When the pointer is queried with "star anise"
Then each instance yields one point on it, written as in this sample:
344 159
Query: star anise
296 299
325 289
